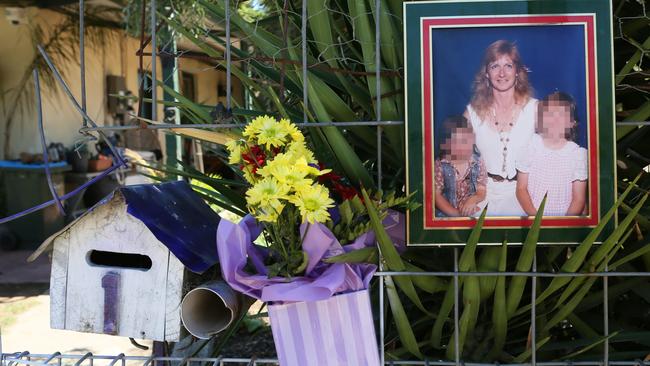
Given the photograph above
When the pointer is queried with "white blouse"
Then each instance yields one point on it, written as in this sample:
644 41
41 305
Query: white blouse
491 148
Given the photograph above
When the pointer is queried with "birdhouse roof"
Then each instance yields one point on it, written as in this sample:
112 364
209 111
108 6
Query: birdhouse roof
174 214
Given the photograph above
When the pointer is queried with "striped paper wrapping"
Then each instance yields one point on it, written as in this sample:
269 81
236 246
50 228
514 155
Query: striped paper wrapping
334 332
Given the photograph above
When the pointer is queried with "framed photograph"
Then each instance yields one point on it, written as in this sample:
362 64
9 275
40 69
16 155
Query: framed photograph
509 102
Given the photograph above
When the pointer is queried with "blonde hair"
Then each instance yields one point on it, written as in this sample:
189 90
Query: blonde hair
482 94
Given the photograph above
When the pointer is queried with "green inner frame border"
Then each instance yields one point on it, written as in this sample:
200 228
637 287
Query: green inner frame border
413 12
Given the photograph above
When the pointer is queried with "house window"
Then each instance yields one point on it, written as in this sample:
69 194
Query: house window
188 86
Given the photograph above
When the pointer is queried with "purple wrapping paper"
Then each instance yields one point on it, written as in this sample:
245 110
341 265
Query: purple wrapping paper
321 280
335 332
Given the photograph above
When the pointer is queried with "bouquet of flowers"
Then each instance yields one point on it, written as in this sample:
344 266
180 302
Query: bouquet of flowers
282 252
284 189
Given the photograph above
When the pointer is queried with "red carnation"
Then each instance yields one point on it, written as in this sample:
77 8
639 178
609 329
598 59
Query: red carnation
255 156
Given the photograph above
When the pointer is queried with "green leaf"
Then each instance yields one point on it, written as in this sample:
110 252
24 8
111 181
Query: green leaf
443 315
195 108
401 320
527 353
363 255
389 253
598 341
581 327
346 212
488 262
467 258
517 283
467 322
632 61
568 307
641 114
499 315
430 284
464 325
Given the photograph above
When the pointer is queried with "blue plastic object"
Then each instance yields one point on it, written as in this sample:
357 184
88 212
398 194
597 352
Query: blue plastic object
179 218
12 164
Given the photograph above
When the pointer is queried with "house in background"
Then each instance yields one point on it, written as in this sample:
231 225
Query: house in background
111 67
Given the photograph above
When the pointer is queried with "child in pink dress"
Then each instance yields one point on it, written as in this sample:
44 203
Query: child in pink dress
553 163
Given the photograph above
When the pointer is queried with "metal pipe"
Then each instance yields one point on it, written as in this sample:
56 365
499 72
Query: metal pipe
606 315
633 123
154 96
377 61
18 357
82 57
456 312
510 274
379 174
117 358
378 90
82 359
533 314
382 313
228 59
164 126
305 85
51 357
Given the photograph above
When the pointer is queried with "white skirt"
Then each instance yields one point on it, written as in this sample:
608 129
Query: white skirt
501 199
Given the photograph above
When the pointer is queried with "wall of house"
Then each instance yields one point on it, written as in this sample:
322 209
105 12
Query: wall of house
61 120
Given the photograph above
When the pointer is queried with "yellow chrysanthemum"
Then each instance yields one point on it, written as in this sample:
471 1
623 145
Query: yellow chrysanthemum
305 168
267 214
292 130
286 169
293 177
313 202
299 149
278 161
254 127
272 134
268 192
234 148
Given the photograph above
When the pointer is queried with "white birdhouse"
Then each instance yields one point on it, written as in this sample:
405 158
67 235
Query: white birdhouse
120 268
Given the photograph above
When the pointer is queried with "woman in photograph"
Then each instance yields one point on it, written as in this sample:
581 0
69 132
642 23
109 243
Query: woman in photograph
502 113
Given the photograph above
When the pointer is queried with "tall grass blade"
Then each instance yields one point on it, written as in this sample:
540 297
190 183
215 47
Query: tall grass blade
525 261
401 320
499 316
488 261
527 353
